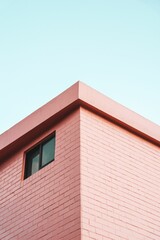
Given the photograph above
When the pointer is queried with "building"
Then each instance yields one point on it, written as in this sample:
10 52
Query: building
82 167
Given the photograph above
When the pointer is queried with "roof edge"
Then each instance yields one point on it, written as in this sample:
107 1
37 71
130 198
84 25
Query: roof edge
119 114
81 94
39 116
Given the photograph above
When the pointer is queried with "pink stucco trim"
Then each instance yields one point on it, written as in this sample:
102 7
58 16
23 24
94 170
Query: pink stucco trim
119 114
39 116
81 94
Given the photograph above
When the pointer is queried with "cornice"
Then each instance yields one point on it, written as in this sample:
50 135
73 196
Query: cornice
78 95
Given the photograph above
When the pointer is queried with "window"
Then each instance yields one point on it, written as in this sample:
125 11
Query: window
39 156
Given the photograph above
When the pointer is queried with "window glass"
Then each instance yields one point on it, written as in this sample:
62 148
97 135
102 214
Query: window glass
35 163
32 162
39 156
48 151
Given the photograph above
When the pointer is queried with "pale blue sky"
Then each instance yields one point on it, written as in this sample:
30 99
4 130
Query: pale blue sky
47 45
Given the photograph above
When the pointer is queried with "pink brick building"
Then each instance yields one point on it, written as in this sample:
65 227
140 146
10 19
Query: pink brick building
82 167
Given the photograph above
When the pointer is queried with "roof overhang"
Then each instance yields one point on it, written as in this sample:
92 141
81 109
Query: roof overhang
77 95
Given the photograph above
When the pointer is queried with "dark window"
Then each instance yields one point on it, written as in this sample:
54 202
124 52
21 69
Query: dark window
39 156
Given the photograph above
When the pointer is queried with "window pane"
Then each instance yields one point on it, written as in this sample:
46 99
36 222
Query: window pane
32 162
48 151
35 163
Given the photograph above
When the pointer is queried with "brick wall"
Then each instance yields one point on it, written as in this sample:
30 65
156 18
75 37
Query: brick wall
47 204
120 183
103 185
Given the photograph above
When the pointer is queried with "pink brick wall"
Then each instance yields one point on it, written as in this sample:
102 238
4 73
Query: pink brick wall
103 185
47 204
120 183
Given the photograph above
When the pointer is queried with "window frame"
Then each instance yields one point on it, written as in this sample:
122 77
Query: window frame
39 145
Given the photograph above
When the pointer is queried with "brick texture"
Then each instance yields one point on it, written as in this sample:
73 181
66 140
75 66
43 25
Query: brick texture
120 183
46 205
103 185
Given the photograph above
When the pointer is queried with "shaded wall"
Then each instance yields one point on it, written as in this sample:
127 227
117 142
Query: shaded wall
47 204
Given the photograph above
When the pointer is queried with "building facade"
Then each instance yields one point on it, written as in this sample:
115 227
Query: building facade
82 167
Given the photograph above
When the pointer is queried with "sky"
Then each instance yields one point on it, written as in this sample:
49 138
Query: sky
47 45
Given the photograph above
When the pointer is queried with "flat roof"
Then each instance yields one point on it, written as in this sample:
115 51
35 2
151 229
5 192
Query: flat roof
77 95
